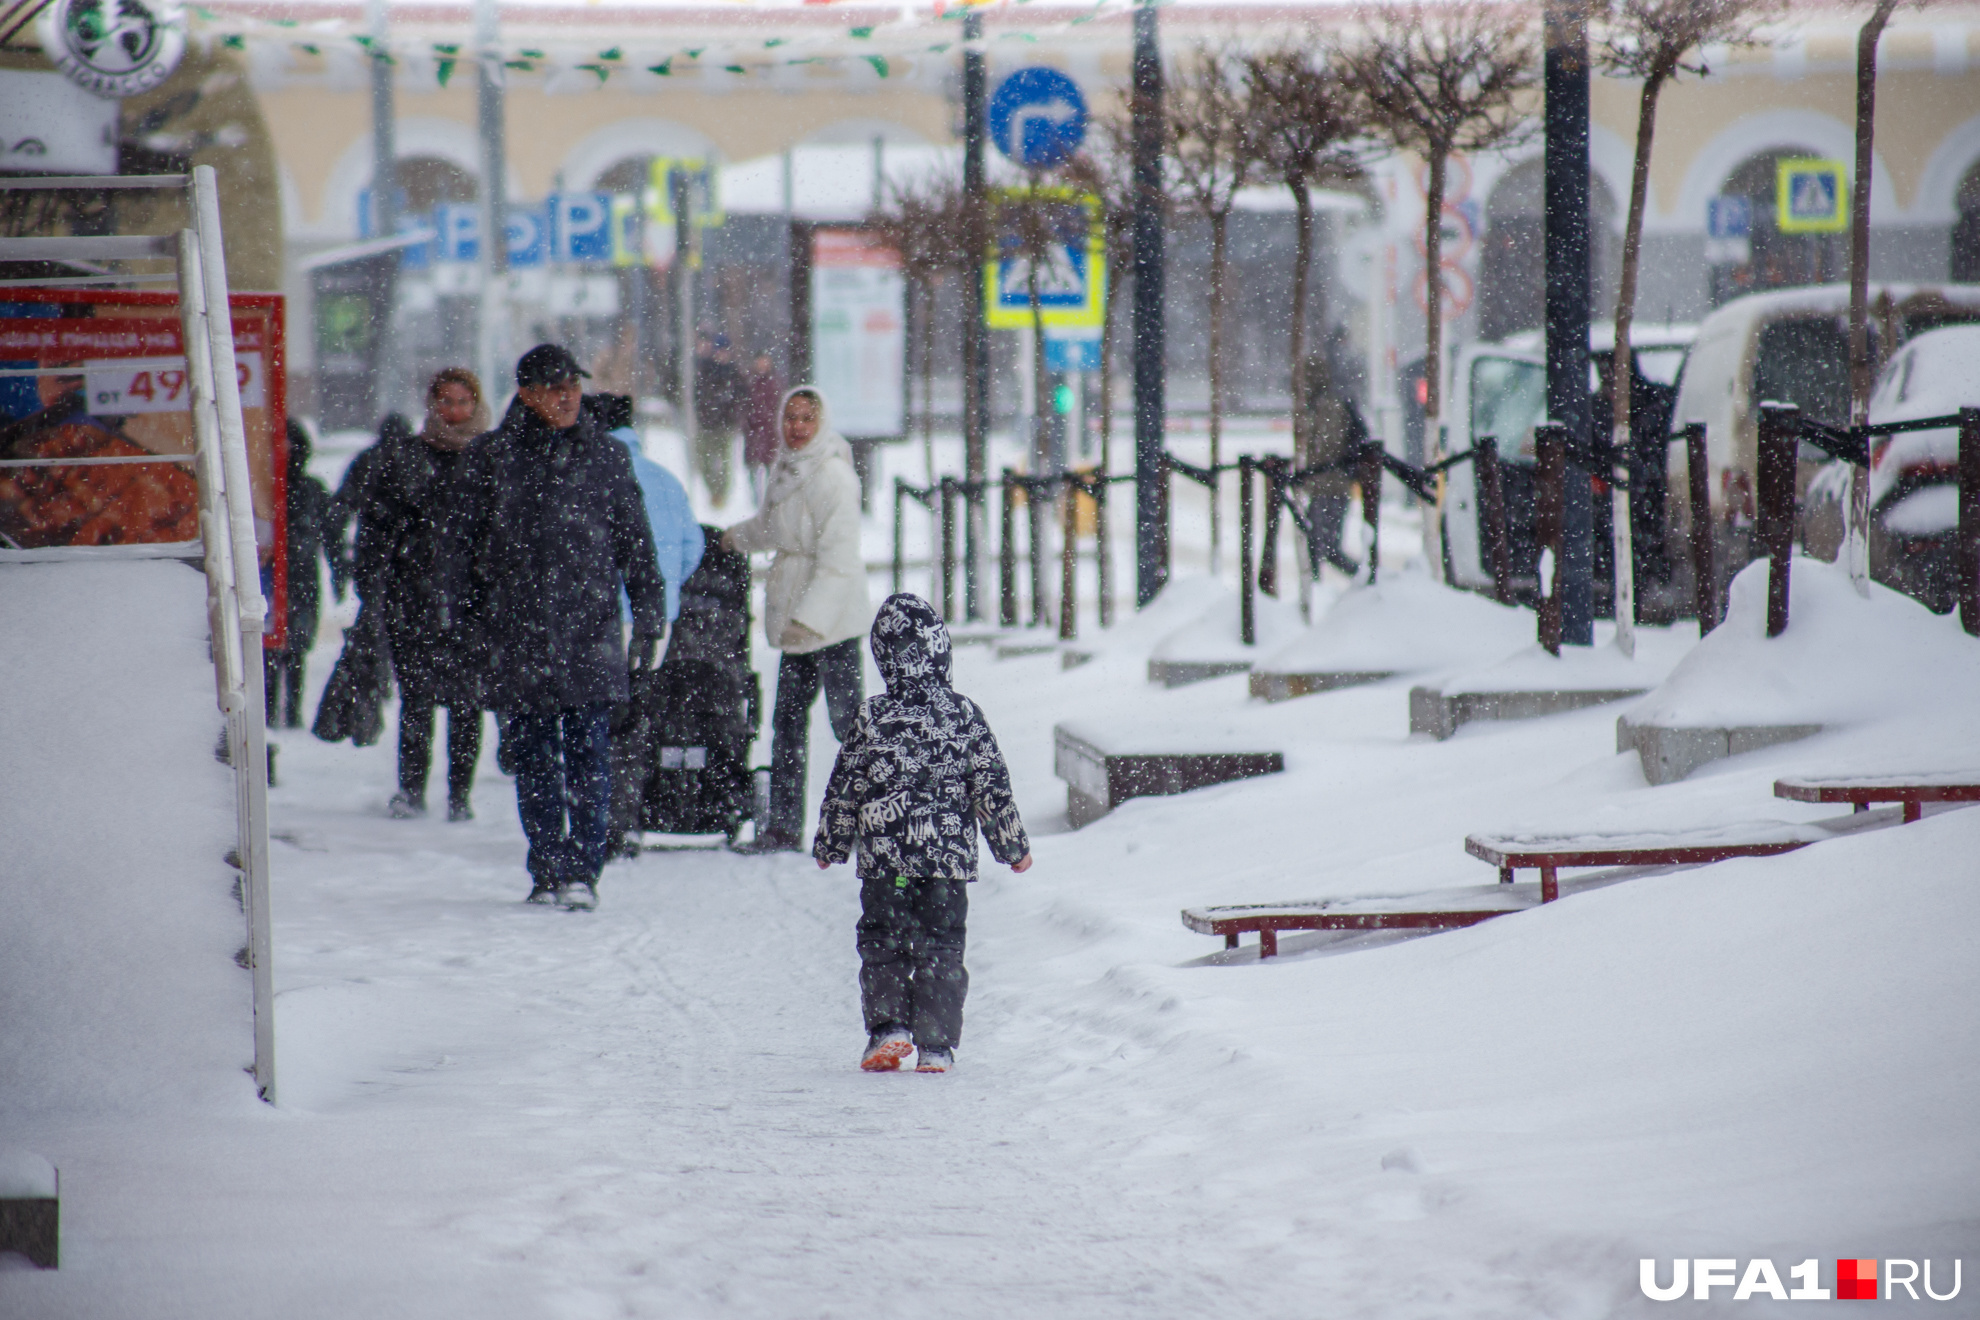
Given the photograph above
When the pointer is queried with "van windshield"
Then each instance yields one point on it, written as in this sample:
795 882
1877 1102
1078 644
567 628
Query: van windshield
1805 362
1508 399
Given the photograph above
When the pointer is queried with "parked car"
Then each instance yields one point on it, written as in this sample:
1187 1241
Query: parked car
1789 346
1500 390
1914 477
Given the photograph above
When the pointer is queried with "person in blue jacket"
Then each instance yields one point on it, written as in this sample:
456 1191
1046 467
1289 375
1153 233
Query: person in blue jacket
677 537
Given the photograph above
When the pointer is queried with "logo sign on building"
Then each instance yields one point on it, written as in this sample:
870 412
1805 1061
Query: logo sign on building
458 225
859 331
1811 196
1038 118
115 48
581 228
1071 276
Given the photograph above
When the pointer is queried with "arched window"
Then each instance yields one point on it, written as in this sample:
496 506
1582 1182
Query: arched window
1776 260
427 181
1512 260
1966 231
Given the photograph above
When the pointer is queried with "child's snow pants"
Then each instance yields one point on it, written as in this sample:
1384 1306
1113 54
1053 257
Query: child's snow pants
911 956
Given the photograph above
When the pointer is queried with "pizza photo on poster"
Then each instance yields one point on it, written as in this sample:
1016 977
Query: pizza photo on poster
100 376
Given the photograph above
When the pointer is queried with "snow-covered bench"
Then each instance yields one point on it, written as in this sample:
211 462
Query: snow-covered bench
1268 919
1104 768
1549 853
1913 791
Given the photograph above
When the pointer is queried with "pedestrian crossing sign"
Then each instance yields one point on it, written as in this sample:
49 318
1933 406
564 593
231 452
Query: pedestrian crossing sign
1071 270
1811 196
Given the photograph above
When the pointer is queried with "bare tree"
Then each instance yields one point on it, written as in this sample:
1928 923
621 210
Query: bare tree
1214 150
1439 80
1652 40
1856 550
1306 117
925 222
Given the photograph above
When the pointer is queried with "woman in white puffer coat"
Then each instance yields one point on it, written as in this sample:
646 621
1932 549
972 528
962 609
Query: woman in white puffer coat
815 600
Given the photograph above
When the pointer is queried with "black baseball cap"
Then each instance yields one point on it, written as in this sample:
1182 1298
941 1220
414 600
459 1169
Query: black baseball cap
546 364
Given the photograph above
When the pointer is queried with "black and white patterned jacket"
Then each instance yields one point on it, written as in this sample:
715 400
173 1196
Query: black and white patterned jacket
921 769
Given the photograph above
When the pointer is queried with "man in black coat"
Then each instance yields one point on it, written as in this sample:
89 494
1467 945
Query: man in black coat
548 526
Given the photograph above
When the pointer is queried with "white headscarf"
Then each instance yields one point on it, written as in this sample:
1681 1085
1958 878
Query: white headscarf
788 470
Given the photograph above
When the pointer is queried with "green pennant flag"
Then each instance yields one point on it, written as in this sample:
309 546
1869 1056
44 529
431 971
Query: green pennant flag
234 41
445 70
603 71
774 42
309 48
734 68
523 66
861 32
879 63
665 68
612 54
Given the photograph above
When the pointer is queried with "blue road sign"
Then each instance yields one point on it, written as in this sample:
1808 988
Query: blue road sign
1728 216
1038 118
528 236
581 227
1072 354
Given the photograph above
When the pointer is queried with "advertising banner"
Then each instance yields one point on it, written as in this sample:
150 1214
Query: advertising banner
859 332
102 378
352 300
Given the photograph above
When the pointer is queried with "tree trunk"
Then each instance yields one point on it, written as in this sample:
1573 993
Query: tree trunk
928 373
1302 273
1856 547
1433 354
1433 301
1219 236
1622 377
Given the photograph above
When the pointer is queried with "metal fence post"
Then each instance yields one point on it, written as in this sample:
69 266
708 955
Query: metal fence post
1069 560
948 549
1779 439
1247 589
1272 471
1969 520
1370 477
1705 583
1550 480
1007 554
900 548
1103 555
1492 502
1037 491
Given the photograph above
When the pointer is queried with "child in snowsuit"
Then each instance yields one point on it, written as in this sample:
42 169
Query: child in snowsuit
919 773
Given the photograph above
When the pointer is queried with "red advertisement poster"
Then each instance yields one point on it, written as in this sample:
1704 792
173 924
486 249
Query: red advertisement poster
122 393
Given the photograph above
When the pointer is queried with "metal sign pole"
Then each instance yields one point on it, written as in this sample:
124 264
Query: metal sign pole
1151 535
492 336
976 336
1566 186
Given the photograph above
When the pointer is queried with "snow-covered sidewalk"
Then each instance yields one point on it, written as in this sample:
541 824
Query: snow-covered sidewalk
494 1110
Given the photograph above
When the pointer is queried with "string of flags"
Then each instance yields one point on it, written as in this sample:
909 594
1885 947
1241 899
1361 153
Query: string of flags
882 47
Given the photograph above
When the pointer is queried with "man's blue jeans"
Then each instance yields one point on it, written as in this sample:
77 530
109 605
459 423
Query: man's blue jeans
563 761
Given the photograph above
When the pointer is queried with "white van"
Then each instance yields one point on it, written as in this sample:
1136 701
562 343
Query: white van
1788 346
1500 390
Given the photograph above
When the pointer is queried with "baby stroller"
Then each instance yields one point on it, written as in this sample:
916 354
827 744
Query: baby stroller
681 759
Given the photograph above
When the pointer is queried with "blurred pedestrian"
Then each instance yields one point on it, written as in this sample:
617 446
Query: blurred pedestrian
549 525
353 702
718 398
764 393
400 533
307 505
920 772
815 606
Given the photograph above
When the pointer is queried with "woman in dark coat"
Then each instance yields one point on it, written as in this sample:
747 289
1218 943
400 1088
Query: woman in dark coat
308 508
400 528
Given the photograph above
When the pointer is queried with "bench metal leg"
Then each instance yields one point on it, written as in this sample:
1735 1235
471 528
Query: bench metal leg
1550 884
1230 939
1505 875
1268 944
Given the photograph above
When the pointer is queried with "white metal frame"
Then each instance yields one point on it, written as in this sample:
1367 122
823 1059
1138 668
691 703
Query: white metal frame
235 608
